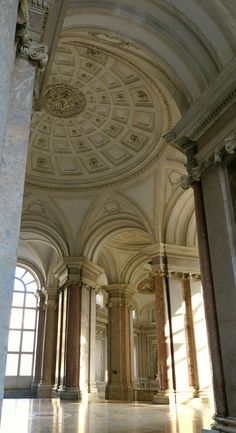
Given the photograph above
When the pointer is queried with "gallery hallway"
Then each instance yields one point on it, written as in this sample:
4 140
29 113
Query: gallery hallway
55 416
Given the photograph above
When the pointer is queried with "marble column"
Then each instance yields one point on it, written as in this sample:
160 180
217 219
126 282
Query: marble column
71 389
119 386
80 333
189 334
8 17
143 355
49 345
159 285
221 229
12 174
61 322
210 302
92 388
39 345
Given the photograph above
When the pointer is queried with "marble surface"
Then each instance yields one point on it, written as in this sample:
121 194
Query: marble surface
55 416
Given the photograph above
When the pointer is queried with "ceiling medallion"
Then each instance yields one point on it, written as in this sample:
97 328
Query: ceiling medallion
63 100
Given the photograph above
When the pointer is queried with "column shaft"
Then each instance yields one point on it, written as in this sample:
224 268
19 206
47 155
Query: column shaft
72 355
12 174
92 343
40 332
159 287
119 386
49 346
7 51
209 302
189 334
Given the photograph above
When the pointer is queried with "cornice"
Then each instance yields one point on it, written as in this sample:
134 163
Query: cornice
220 154
211 105
177 251
78 269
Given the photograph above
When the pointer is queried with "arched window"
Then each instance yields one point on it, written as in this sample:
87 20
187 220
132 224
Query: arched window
22 333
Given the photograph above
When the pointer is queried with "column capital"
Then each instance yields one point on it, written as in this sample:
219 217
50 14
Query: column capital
120 295
51 298
40 300
35 52
74 270
122 289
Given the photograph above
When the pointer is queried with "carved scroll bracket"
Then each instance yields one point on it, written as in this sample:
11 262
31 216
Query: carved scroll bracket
28 49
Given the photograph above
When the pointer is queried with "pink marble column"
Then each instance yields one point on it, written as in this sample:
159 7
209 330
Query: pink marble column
189 334
119 386
160 293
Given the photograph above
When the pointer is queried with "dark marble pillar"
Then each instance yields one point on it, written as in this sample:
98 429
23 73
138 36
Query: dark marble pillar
210 302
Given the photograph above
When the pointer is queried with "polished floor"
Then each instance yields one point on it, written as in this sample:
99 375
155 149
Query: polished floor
53 416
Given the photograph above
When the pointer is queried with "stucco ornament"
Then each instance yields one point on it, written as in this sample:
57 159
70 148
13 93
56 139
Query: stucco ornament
63 100
34 52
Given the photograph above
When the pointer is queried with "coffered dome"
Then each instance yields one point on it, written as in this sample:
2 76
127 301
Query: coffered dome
101 121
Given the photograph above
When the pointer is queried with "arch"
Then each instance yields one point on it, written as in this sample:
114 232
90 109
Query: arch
46 232
178 218
190 47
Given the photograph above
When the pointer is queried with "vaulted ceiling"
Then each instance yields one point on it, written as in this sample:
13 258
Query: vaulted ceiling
101 180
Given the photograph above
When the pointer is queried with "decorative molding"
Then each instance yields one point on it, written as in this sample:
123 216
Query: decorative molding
95 163
197 169
146 286
211 105
36 53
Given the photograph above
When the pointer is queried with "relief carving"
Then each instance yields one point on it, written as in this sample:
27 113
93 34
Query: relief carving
64 100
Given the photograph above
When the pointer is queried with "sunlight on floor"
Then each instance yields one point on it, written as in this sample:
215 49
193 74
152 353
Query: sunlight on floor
53 416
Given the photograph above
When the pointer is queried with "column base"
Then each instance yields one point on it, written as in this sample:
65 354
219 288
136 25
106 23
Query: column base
70 393
116 391
92 392
227 425
34 388
44 390
162 397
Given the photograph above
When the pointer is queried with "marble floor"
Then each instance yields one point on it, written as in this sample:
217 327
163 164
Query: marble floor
53 416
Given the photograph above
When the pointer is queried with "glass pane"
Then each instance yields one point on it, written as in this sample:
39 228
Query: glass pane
26 365
28 341
12 365
14 341
19 272
16 318
18 285
28 278
18 299
29 319
30 300
31 287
